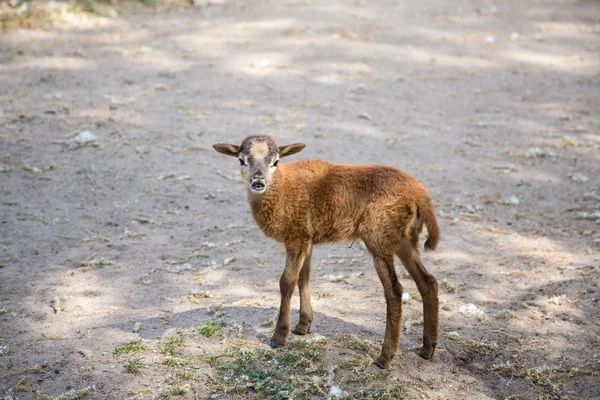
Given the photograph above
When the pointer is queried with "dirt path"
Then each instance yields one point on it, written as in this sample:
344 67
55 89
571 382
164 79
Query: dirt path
130 246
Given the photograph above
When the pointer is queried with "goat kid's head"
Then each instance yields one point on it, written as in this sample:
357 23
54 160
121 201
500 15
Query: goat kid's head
258 157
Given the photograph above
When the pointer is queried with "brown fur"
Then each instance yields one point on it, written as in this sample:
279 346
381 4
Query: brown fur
311 202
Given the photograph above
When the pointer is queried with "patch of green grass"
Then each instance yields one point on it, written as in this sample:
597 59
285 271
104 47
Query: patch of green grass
38 369
288 373
356 369
246 369
187 374
94 10
133 346
211 328
70 395
150 2
369 394
20 386
177 390
352 342
177 360
76 8
212 359
134 365
288 359
96 263
169 345
296 371
552 378
312 350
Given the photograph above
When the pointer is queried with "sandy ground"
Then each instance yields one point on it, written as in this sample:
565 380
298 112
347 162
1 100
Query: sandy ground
492 105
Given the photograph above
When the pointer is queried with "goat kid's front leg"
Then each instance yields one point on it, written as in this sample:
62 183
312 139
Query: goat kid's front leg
306 313
295 256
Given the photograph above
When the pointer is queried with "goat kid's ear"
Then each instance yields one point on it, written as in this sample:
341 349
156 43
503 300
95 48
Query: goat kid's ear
227 149
290 149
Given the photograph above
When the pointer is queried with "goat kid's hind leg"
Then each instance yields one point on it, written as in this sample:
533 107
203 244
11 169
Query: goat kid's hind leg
428 288
287 283
306 313
393 298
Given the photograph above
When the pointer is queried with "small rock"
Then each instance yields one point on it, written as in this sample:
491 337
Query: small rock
534 152
229 260
471 310
453 334
346 277
336 391
579 178
366 116
57 306
316 338
136 327
166 175
82 139
85 353
201 293
406 297
558 300
179 268
594 216
510 201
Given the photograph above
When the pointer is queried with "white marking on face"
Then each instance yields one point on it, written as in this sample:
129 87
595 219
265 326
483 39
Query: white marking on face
259 150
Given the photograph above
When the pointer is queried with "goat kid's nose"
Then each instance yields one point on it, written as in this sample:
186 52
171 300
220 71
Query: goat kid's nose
258 175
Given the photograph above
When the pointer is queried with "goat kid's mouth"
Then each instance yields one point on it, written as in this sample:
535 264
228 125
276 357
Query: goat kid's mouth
258 186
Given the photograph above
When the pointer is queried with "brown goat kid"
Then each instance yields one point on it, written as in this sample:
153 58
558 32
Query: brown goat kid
304 203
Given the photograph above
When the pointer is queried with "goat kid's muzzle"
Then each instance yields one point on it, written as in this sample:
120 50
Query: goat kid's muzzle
258 186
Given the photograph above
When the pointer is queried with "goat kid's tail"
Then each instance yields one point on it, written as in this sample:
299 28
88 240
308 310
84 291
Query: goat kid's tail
428 214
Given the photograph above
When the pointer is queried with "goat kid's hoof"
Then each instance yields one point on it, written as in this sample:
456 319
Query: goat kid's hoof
274 345
427 354
301 330
383 364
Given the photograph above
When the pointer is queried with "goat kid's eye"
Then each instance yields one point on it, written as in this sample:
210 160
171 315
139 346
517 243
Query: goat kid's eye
242 163
275 163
